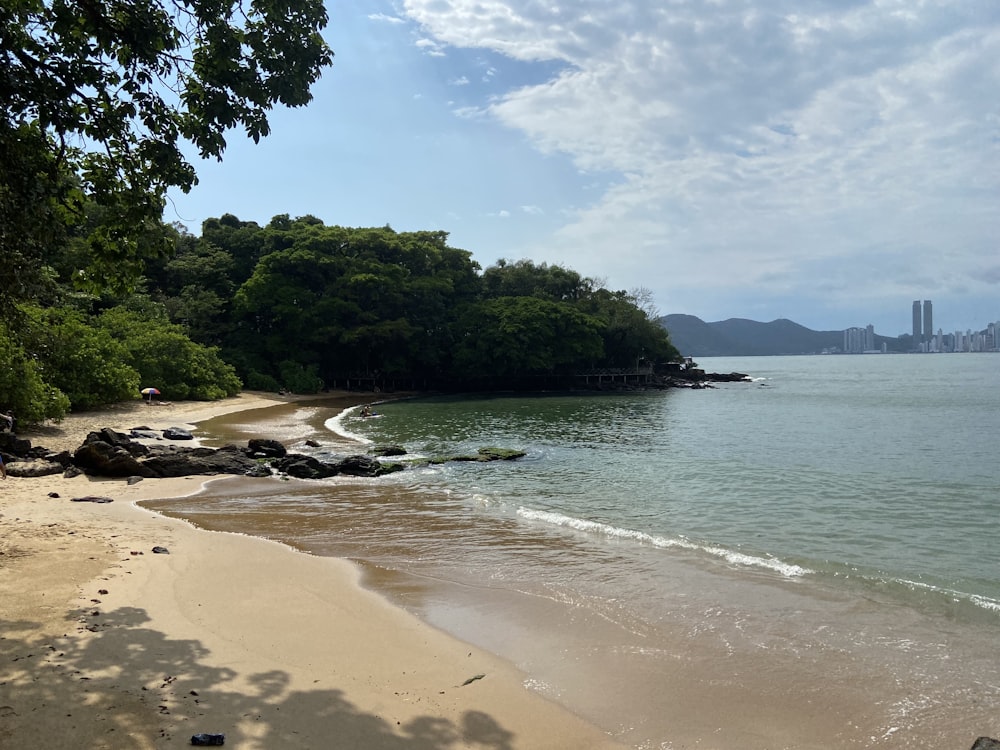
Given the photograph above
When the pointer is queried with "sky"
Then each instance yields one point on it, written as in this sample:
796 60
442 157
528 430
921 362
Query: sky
825 161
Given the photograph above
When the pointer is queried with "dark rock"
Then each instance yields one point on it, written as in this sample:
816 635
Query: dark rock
63 458
304 467
388 450
144 433
72 471
491 454
258 470
177 433
91 499
101 458
182 463
53 494
986 743
499 454
728 377
12 444
262 448
33 468
161 551
133 480
117 440
312 443
208 739
361 466
109 436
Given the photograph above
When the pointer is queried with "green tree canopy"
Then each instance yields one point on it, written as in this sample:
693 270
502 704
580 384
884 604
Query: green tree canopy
352 301
86 363
523 278
23 389
512 336
97 98
167 359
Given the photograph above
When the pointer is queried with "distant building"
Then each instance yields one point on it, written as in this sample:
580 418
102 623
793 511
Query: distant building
923 325
859 340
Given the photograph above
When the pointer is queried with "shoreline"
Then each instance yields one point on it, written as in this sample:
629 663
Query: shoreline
105 644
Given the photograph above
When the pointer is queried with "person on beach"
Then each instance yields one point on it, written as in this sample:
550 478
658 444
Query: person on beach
3 467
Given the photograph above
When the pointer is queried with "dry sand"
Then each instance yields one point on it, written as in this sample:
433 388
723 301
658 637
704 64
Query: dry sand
105 644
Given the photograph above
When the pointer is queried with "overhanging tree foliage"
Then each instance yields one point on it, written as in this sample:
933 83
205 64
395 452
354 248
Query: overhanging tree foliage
97 98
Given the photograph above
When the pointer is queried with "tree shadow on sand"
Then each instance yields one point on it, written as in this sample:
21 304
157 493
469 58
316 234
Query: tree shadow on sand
115 682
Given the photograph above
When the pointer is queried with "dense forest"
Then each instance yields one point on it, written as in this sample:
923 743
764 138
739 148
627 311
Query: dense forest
99 100
300 305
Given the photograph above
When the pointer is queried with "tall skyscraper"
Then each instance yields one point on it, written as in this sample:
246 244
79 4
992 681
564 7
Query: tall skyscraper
928 320
917 337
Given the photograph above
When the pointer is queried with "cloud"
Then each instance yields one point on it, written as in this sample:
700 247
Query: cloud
382 17
430 47
758 144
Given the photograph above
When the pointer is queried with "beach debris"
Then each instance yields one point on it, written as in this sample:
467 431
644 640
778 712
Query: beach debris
91 499
102 592
472 679
213 740
161 551
53 494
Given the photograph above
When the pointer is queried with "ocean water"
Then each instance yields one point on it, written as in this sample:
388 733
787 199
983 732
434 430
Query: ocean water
804 560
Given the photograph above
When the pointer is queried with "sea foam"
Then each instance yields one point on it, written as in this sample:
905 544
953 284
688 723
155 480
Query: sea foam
732 557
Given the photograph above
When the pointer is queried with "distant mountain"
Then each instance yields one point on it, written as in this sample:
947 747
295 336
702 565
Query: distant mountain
738 337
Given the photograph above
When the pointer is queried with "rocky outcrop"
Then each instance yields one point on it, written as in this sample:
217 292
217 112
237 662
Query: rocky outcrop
986 743
482 455
388 450
261 448
108 453
35 467
363 466
117 440
198 461
308 467
106 460
304 467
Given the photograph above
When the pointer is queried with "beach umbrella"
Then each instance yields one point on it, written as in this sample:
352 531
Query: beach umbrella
149 393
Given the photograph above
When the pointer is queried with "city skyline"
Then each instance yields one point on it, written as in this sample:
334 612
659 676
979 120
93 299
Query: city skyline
924 338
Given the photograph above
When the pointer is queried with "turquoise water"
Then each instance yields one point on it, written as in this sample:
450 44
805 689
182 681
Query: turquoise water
882 467
821 536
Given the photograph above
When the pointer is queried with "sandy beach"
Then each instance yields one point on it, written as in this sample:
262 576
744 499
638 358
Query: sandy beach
106 644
